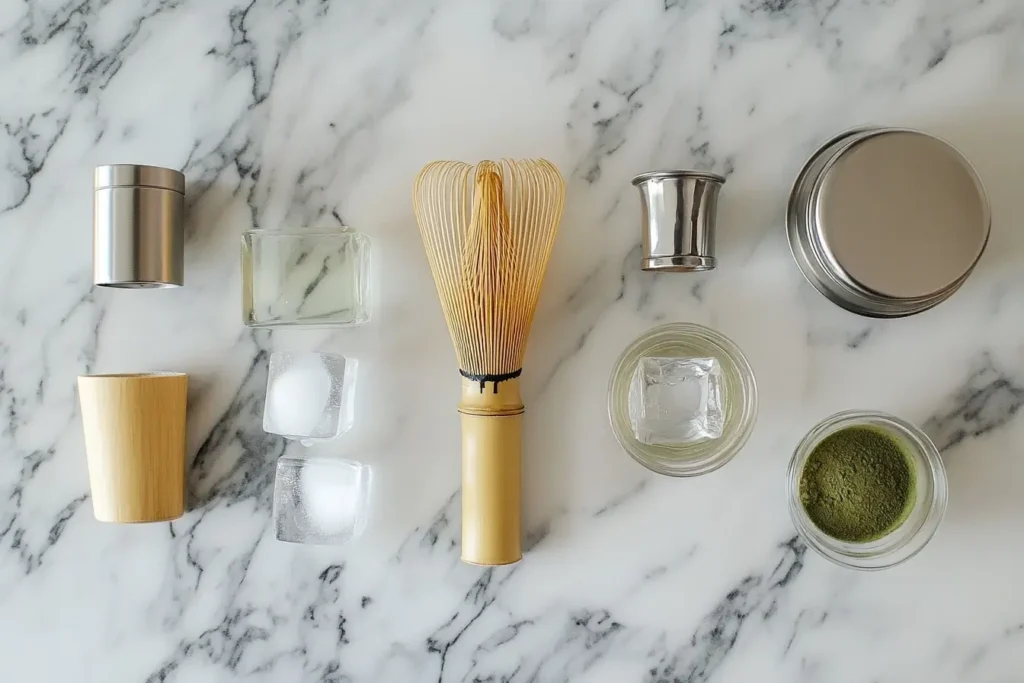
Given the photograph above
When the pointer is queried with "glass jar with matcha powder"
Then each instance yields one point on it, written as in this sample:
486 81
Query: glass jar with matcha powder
866 490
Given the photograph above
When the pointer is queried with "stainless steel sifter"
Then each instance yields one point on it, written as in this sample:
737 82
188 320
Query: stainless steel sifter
679 211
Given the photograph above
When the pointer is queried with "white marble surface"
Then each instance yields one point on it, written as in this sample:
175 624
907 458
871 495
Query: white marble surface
298 112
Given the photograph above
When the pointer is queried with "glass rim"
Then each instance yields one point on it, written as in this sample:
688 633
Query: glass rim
303 232
702 457
903 542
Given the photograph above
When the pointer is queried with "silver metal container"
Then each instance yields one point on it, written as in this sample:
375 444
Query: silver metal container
679 213
138 232
887 222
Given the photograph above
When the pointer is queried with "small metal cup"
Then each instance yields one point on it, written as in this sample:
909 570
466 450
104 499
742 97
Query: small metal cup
679 210
138 227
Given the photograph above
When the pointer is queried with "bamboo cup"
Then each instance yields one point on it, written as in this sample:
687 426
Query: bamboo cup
135 445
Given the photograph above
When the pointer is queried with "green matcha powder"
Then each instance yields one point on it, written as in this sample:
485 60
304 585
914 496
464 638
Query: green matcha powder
857 485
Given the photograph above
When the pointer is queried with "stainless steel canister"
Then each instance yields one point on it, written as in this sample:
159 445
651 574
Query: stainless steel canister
887 222
678 221
138 232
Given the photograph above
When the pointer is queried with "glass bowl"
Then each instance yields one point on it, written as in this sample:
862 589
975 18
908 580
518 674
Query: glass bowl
917 529
739 397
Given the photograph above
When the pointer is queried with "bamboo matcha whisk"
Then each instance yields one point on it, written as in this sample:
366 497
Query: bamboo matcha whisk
488 232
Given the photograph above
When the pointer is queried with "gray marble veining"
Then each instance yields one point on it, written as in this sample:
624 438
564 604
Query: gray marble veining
319 113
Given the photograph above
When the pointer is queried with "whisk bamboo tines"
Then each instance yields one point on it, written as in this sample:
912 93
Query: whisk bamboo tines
488 232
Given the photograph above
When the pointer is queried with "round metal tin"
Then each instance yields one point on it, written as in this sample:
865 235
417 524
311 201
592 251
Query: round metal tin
138 227
887 222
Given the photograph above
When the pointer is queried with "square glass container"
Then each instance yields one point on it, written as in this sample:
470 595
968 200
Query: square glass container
310 278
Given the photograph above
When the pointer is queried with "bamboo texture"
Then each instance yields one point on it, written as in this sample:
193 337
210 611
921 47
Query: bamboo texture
488 231
135 445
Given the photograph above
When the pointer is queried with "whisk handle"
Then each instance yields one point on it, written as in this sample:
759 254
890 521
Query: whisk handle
492 434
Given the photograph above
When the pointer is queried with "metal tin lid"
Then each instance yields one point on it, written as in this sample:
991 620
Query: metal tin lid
135 175
900 215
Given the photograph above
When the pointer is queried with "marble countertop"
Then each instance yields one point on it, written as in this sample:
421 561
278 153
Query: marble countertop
302 112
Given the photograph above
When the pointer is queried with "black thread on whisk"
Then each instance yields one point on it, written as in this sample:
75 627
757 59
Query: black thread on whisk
483 379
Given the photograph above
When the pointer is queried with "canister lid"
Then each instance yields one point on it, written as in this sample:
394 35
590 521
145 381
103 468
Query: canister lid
136 175
900 214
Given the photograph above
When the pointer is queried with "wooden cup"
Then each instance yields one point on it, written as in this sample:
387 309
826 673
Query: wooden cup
135 445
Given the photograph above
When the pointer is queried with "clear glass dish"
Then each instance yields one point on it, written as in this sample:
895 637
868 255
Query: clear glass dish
310 278
910 537
739 396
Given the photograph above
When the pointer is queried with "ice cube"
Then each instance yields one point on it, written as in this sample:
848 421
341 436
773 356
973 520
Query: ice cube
676 400
309 395
323 501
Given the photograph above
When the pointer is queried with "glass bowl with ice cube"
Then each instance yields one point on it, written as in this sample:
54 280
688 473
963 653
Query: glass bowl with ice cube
682 400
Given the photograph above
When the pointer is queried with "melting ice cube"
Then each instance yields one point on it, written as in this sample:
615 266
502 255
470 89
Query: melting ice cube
322 501
676 400
309 395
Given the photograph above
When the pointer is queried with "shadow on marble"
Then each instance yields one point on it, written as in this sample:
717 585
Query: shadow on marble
235 458
748 216
974 429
